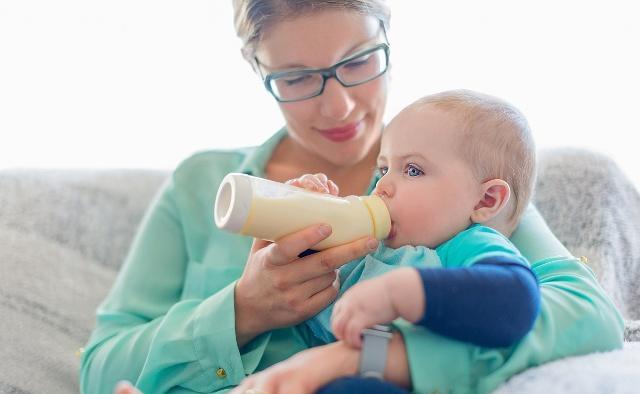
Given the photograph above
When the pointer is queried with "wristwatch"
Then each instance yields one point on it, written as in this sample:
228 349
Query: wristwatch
375 346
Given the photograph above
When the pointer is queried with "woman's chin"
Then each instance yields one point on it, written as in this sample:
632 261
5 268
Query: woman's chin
349 153
345 158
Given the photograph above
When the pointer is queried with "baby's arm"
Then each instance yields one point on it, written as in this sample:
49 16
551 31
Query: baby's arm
488 304
398 293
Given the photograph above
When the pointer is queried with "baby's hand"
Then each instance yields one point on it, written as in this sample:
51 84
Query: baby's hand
367 303
315 182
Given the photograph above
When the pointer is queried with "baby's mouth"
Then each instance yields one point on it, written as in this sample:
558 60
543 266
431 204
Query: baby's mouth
392 231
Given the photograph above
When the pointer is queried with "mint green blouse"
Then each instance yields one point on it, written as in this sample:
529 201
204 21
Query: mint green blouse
168 322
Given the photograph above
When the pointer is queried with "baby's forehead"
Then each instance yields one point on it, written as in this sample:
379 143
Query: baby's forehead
423 122
405 138
426 109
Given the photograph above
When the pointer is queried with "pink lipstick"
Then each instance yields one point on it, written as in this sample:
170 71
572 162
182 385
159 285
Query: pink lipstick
340 134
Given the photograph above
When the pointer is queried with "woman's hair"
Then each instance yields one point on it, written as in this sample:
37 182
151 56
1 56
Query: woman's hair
253 17
496 141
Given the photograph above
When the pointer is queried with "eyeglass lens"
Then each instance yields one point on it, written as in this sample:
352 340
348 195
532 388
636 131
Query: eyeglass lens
305 83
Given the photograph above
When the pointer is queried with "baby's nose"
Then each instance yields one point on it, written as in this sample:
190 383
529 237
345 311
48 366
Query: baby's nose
383 189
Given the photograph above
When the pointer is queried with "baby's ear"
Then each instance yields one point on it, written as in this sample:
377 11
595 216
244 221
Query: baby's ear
495 196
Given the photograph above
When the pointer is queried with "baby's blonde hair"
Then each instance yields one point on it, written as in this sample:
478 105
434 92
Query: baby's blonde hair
495 140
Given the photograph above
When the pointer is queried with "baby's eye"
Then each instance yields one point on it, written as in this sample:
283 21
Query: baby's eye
413 171
383 170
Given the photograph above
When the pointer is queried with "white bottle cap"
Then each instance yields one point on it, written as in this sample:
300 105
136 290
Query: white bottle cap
233 202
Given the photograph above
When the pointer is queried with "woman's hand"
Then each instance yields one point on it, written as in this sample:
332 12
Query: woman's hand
278 289
313 368
305 372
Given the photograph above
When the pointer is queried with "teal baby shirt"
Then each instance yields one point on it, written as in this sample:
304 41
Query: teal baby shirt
477 243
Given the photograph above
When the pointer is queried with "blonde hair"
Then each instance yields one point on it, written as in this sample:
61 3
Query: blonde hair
495 140
253 17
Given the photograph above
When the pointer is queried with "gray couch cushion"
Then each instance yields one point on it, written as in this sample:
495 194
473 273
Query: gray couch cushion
93 212
63 235
47 302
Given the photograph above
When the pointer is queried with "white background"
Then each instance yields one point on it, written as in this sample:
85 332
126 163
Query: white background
142 83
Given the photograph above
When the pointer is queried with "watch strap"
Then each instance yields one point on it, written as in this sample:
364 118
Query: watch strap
375 346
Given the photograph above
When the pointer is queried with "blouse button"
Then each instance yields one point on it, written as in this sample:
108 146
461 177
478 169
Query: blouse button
221 373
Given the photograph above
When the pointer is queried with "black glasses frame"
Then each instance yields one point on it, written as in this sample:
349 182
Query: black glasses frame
326 73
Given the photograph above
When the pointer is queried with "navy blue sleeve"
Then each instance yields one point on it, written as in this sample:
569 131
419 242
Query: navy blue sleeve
493 303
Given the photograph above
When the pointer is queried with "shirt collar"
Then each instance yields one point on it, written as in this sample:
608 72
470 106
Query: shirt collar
256 159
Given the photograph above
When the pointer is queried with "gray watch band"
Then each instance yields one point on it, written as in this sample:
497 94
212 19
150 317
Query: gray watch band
375 345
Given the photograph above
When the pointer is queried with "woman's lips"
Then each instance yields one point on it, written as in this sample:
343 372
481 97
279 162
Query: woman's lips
340 134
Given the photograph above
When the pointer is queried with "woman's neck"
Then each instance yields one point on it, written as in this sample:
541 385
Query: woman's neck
290 160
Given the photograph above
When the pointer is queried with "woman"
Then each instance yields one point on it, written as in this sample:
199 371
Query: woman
195 309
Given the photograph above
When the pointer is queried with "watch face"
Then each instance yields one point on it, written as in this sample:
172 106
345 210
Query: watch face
378 330
382 327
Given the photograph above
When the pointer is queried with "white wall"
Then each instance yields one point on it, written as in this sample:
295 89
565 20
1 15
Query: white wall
141 83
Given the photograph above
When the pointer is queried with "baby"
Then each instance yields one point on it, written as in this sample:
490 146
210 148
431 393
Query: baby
457 171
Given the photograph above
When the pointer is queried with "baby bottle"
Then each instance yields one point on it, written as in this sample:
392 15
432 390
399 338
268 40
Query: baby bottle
270 210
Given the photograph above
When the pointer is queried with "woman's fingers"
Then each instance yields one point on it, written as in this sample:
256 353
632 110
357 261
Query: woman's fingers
328 260
259 244
320 300
290 246
317 284
284 293
337 256
298 298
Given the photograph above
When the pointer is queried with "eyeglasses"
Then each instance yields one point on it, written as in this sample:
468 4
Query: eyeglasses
297 85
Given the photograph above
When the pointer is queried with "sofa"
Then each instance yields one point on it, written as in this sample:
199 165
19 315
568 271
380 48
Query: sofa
64 233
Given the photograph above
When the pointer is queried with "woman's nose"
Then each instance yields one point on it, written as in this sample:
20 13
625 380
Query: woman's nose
337 102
